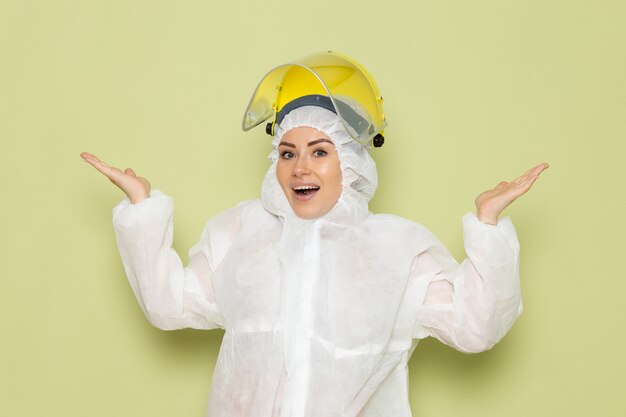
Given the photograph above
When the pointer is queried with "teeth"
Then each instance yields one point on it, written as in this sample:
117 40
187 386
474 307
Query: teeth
305 187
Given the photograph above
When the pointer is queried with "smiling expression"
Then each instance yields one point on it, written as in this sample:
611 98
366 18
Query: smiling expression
308 171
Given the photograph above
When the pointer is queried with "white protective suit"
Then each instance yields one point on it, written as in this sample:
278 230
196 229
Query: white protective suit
321 315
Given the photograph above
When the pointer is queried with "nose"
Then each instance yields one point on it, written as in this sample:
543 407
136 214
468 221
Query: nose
301 167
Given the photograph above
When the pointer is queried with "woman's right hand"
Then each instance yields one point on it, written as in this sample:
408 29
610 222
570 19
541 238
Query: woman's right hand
136 188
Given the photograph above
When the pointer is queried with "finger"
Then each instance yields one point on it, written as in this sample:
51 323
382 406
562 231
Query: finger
145 182
525 185
99 165
501 185
90 157
86 155
541 167
96 163
534 171
110 172
521 179
129 171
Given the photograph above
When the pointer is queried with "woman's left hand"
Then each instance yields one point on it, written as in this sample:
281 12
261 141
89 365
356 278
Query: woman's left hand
490 204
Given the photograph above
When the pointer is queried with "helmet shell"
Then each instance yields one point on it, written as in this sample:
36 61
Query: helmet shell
340 78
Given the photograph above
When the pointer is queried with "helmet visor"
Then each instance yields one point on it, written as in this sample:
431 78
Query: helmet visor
348 86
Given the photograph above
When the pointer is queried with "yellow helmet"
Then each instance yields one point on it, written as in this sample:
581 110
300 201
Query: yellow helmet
326 79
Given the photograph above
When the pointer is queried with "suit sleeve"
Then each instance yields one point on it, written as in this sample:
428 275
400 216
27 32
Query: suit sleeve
171 296
472 305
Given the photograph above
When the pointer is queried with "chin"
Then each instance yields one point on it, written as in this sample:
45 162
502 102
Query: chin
308 214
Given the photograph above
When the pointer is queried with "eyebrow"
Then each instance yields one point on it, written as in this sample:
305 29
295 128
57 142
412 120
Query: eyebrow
315 142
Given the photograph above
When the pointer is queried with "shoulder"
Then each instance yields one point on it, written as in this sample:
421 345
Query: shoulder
391 231
240 210
404 234
230 221
223 229
396 225
407 238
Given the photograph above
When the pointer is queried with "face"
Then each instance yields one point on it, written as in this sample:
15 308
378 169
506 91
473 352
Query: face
308 172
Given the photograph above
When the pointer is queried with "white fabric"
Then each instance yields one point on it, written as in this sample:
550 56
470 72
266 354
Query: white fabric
320 316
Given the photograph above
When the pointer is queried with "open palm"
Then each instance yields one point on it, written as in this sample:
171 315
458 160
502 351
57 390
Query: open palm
136 188
490 203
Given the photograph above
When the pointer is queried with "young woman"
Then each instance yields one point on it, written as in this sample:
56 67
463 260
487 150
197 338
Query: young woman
322 302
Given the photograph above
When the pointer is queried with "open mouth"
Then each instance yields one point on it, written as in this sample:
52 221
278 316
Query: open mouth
304 192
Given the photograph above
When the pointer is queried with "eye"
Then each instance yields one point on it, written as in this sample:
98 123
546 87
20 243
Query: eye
319 153
286 155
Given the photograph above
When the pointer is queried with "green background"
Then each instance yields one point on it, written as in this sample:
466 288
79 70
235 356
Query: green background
475 93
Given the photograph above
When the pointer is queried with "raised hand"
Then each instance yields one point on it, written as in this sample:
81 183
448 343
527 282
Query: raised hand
136 188
490 204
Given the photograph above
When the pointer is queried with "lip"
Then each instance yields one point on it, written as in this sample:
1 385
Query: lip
305 197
